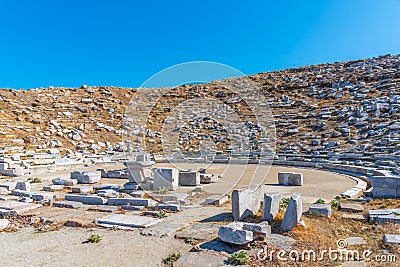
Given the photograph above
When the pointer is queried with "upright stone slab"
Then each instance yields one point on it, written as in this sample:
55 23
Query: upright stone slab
86 177
245 202
293 213
166 178
24 186
270 206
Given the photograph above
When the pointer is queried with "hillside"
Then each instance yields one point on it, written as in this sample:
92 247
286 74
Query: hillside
341 107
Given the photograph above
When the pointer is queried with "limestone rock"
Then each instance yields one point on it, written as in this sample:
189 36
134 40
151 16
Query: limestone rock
293 213
86 177
245 202
270 206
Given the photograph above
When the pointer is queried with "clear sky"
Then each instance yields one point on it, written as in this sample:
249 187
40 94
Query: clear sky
122 42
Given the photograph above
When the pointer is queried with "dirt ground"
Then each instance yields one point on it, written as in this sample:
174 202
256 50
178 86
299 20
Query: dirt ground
66 246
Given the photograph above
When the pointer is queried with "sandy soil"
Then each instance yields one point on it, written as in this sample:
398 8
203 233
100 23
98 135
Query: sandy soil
66 246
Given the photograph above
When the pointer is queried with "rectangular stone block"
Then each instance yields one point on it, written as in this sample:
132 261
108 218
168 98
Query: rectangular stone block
384 216
53 187
351 207
128 221
391 239
387 219
233 233
24 186
189 178
263 227
171 207
39 197
66 182
16 207
166 197
206 178
82 189
270 206
385 181
86 199
9 186
352 193
68 204
245 202
131 201
217 200
321 209
290 178
384 192
86 177
166 178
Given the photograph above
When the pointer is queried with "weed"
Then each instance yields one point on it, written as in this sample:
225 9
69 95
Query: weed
335 203
238 258
35 180
163 190
189 240
172 257
95 238
161 214
284 203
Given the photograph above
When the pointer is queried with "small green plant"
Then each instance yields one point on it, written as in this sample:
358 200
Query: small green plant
4 216
35 180
238 258
320 201
335 203
161 214
95 238
172 257
162 190
197 190
189 240
284 203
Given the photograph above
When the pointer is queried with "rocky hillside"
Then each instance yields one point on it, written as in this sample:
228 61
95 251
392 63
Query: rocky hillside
340 107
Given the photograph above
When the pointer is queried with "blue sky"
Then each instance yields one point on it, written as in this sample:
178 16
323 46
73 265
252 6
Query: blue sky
123 43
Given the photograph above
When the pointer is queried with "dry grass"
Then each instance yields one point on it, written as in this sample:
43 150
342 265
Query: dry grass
322 233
